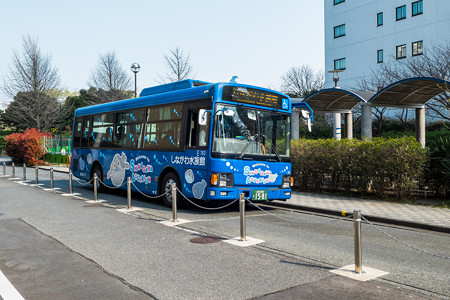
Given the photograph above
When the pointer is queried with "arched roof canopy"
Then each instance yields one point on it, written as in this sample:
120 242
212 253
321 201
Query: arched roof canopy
336 100
410 93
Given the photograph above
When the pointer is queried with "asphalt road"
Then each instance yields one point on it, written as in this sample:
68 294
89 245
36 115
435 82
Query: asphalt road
136 254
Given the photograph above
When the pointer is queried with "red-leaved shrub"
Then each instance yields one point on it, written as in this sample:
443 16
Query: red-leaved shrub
25 147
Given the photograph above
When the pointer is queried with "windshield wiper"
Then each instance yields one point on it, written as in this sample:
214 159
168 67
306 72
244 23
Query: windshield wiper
273 148
248 145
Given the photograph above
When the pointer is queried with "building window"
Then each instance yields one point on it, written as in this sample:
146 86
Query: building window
400 12
339 31
379 19
417 48
401 51
338 1
417 8
380 56
339 64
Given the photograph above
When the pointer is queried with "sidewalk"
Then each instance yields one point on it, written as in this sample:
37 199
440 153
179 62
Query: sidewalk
425 217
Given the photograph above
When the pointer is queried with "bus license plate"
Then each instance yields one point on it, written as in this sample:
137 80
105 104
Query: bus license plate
259 195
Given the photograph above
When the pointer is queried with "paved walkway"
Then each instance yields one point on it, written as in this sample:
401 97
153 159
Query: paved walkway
376 210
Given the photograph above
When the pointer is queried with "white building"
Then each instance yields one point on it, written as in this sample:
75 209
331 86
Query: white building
360 34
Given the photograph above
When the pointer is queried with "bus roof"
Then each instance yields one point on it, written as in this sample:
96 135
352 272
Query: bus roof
174 86
184 90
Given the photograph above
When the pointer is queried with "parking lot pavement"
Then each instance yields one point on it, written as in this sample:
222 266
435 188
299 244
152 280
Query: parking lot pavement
103 253
40 267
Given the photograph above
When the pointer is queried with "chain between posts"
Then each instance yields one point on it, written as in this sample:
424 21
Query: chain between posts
151 197
207 208
402 242
295 221
222 207
112 187
83 182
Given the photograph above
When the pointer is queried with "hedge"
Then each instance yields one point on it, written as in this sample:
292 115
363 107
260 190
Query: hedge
380 165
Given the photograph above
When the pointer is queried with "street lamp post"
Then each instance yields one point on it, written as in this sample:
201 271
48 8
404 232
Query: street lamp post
60 115
336 116
135 67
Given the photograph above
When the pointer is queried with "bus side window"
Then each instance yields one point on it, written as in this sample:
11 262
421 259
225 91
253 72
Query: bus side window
203 132
86 131
197 134
77 132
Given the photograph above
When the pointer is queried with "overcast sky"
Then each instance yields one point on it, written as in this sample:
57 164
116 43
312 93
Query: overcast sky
257 40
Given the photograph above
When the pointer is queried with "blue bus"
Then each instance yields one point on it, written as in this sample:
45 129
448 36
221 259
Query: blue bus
214 141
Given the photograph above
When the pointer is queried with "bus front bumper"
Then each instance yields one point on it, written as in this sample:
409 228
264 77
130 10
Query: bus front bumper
214 193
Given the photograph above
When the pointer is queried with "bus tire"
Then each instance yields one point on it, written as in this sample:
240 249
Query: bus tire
98 170
166 190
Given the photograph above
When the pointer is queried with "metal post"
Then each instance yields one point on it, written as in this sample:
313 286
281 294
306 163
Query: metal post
70 182
129 192
95 187
24 172
357 230
174 202
4 168
13 170
36 172
242 215
51 178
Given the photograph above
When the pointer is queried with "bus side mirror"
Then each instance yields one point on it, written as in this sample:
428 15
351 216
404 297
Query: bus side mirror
203 117
306 115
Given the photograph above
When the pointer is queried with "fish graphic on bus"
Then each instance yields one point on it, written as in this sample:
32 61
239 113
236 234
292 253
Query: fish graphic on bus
117 169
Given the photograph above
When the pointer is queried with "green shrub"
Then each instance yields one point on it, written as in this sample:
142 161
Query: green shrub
378 165
438 171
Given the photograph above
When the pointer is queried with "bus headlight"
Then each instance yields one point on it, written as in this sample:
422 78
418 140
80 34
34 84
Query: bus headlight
222 179
287 179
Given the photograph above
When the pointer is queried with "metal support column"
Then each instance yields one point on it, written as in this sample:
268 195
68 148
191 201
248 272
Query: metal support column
366 121
337 126
349 125
420 125
128 193
174 202
242 216
357 231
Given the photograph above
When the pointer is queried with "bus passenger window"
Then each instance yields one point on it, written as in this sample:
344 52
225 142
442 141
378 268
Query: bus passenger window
197 134
86 133
77 132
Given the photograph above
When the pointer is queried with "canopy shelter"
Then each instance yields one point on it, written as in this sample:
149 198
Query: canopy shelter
337 100
407 93
410 93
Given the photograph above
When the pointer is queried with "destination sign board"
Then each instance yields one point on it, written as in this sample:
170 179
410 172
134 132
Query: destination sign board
255 97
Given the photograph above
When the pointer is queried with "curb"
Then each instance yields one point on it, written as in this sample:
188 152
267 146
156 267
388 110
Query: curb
369 217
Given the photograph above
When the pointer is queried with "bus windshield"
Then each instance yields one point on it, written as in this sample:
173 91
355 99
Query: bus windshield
246 132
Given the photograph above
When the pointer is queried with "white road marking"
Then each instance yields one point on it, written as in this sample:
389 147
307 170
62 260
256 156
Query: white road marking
7 290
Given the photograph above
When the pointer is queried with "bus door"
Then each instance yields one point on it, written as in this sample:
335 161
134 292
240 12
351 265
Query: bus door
194 179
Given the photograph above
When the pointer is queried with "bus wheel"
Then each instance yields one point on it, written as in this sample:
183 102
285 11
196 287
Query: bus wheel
98 170
169 179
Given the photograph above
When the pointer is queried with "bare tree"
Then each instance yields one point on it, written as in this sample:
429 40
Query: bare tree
179 65
435 62
33 83
110 79
302 81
